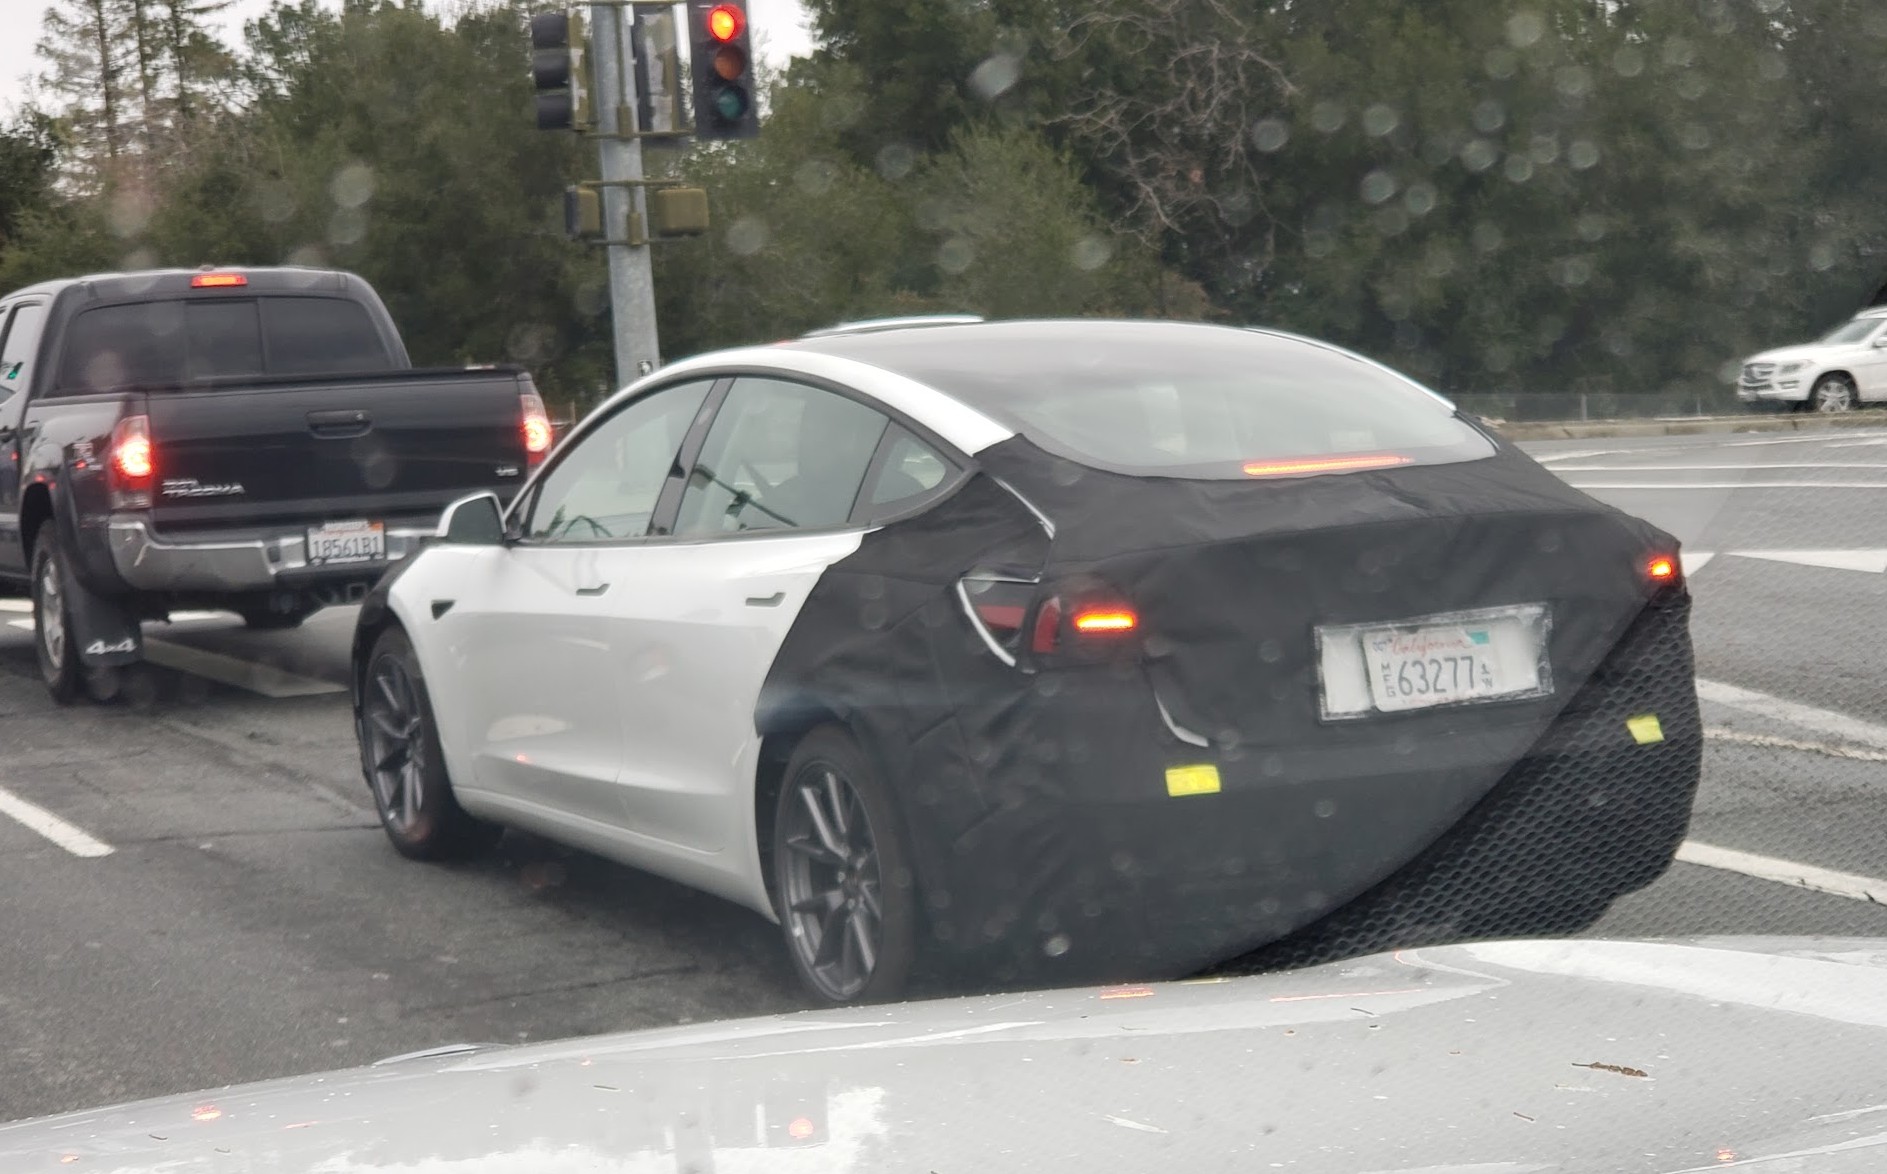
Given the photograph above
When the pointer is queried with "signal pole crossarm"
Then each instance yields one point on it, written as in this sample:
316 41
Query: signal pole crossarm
631 278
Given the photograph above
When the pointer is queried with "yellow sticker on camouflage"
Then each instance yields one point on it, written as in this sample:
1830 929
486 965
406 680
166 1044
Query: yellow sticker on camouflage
1645 728
1192 780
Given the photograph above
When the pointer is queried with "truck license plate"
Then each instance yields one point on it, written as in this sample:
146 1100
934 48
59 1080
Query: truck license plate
347 542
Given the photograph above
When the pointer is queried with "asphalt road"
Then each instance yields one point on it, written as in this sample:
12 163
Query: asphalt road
217 903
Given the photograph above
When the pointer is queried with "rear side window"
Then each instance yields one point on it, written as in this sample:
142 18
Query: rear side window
181 341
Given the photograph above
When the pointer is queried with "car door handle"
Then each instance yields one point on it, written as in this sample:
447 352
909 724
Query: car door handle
596 590
341 425
773 600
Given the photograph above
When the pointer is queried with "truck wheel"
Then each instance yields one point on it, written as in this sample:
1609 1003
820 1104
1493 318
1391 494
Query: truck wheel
59 663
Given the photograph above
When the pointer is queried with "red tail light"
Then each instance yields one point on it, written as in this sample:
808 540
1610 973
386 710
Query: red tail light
536 426
1047 632
218 281
131 466
1104 621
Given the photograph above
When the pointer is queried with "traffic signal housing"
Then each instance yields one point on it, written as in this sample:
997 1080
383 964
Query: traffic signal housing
720 46
559 71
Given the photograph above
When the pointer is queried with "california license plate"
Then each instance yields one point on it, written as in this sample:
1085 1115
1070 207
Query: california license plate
347 542
1463 657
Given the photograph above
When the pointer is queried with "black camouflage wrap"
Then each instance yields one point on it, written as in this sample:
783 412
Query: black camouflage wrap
1036 803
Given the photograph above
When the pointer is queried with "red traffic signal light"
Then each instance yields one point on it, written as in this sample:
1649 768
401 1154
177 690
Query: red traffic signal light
726 21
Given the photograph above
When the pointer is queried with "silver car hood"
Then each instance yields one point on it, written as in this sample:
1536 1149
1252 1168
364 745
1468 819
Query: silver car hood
1504 1057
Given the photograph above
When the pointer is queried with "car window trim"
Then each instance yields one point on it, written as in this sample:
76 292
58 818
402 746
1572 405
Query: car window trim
525 504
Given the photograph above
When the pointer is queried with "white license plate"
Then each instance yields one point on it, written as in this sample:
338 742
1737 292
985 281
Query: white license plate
347 542
1495 654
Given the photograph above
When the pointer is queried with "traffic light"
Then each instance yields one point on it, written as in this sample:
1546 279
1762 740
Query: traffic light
558 70
721 48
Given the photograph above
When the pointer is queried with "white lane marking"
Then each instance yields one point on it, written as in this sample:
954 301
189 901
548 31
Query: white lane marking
1581 456
35 818
22 625
1777 742
1818 438
1636 485
1787 872
1822 721
25 605
179 617
1723 468
1874 561
257 678
1694 560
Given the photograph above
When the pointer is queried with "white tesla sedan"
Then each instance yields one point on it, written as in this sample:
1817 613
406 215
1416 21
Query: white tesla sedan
1114 648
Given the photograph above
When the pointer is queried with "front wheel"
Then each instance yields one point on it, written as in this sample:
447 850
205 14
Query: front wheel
405 768
1833 393
846 896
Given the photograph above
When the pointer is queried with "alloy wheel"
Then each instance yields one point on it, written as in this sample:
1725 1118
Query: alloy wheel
833 889
394 725
1834 395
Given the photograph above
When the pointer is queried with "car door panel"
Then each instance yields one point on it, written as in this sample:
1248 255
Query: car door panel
695 628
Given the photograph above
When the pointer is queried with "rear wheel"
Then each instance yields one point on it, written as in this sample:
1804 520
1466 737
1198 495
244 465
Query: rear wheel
847 901
1833 393
405 769
59 664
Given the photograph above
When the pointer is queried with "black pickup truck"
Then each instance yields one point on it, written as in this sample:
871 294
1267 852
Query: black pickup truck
252 440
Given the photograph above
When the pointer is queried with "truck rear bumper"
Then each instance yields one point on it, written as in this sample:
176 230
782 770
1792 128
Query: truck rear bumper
146 563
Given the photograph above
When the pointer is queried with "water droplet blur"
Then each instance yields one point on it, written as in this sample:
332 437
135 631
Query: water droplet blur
1629 61
1420 198
1771 67
1573 81
1328 116
1489 115
1518 168
1501 64
1090 253
347 226
1582 154
895 160
995 76
1378 186
1590 226
1525 28
815 176
1544 149
352 186
1270 651
275 201
746 236
1479 155
1679 52
955 255
1695 136
130 212
1056 945
1323 808
1821 256
1270 134
1392 221
1319 242
1380 119
139 258
309 256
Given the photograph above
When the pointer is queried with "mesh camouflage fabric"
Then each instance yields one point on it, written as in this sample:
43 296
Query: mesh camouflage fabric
1589 815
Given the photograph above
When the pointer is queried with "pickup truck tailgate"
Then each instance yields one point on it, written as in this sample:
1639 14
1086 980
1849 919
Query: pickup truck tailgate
394 444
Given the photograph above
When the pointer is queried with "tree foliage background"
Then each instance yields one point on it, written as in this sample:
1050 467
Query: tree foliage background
1601 196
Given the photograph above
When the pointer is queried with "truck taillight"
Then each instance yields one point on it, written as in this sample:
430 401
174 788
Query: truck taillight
536 426
131 466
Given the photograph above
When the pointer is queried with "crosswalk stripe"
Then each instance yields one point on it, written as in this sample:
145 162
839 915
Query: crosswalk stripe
1808 717
1788 872
1874 561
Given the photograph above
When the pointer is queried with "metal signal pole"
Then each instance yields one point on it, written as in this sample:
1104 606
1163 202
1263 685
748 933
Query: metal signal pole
625 213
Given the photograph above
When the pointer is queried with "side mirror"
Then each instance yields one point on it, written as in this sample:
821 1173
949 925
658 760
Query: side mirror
1881 341
477 520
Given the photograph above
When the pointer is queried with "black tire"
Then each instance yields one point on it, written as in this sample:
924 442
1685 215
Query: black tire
819 892
1832 393
261 619
59 664
403 765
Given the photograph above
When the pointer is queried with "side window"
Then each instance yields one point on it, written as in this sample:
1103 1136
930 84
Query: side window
16 350
911 470
605 488
780 456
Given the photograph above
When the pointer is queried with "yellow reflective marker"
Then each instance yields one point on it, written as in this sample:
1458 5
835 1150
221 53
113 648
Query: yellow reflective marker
1192 780
1645 728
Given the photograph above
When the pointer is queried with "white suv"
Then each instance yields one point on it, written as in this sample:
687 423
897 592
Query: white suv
1839 372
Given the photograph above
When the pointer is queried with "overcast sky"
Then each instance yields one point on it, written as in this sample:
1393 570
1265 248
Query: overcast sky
778 24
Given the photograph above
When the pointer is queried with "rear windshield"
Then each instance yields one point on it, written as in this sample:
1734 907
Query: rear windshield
181 341
1186 401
